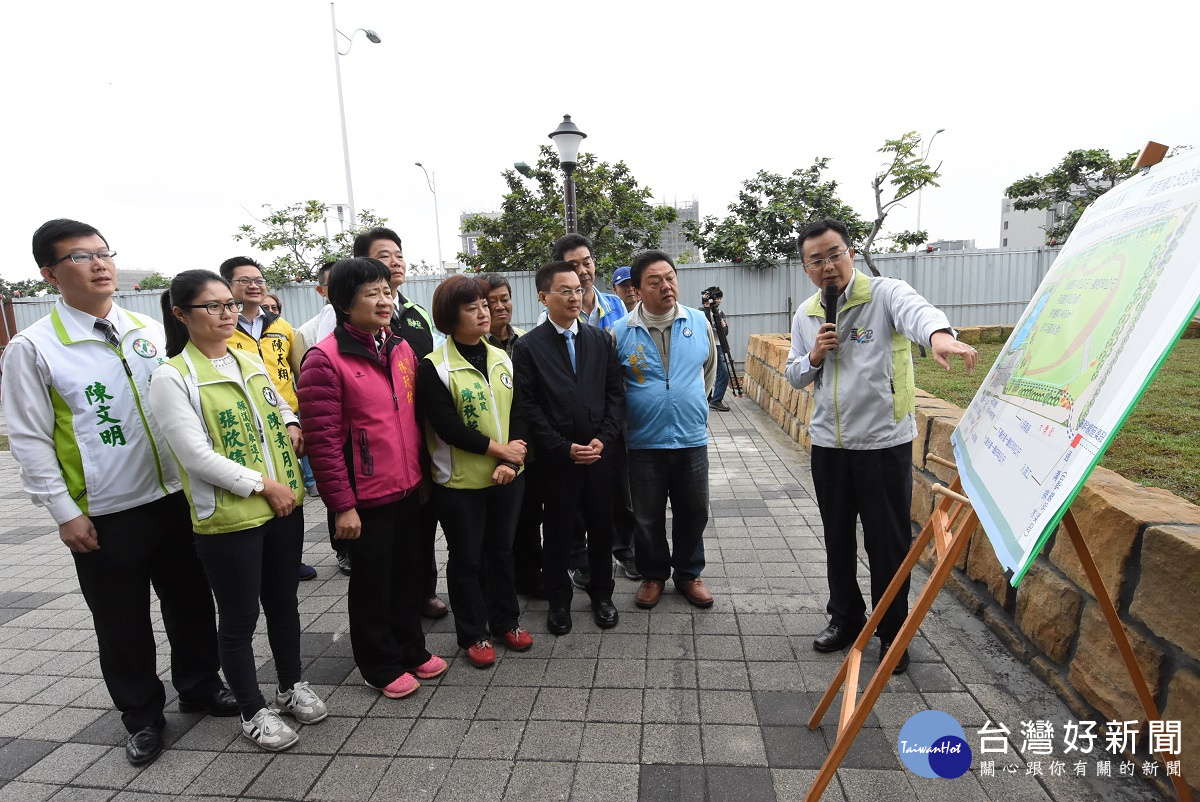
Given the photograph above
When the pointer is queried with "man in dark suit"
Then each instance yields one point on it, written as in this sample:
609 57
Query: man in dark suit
569 389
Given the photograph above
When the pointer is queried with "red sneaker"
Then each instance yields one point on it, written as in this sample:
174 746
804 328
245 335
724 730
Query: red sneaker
518 639
481 654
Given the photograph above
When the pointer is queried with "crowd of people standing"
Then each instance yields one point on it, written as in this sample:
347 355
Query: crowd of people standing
178 455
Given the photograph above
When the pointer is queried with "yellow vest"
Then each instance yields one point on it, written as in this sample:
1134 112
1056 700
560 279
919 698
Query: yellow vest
484 406
244 426
273 349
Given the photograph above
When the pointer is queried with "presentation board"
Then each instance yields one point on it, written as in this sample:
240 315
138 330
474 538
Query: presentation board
1122 289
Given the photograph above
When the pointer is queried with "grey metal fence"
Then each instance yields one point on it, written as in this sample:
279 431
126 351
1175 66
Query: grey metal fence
974 288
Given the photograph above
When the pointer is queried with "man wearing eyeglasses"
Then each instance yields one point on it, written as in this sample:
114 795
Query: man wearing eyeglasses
668 353
76 395
863 422
569 390
602 310
267 334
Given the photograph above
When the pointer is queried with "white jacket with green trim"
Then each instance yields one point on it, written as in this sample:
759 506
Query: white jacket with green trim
864 390
78 414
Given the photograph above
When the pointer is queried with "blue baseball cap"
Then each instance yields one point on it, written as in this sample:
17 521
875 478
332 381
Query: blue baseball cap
622 275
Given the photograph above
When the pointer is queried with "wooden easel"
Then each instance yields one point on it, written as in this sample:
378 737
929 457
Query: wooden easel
950 527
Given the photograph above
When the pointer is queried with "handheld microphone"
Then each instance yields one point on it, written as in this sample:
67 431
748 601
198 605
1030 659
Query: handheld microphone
831 297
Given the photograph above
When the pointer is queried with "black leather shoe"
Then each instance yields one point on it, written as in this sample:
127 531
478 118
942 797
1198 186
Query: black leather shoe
220 702
559 621
835 637
902 666
604 613
144 746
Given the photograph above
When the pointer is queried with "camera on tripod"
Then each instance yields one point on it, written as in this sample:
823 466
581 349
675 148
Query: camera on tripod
710 298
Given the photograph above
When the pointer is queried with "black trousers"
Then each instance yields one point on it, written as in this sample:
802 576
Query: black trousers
527 539
427 523
386 591
479 525
876 487
624 522
244 568
140 547
572 491
424 526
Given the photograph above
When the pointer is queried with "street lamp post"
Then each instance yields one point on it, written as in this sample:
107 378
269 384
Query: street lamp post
431 180
567 138
337 67
924 153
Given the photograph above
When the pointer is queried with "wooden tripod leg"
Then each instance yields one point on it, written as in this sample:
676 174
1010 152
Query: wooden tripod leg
864 637
964 528
1182 790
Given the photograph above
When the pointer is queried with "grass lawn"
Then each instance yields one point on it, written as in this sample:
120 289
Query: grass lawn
1158 446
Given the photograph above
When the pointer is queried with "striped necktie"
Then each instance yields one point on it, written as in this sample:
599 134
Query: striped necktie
108 332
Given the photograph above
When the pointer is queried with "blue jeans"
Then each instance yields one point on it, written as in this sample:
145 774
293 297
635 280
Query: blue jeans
681 475
306 473
722 382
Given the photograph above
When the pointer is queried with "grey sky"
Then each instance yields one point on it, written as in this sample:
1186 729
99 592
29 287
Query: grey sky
161 123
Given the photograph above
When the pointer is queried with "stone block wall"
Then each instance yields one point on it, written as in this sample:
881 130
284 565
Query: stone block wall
1145 541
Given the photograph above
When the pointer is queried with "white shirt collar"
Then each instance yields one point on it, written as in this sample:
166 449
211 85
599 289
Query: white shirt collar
85 323
261 313
574 328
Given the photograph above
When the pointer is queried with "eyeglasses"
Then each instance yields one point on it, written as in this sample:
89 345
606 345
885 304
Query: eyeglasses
85 257
578 291
258 282
215 309
818 264
272 308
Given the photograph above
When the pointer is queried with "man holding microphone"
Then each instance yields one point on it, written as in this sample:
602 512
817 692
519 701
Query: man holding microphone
863 420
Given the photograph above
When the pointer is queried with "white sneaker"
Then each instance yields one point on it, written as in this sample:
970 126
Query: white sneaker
303 703
267 730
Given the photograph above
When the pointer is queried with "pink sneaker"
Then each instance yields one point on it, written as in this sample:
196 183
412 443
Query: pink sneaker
400 687
433 667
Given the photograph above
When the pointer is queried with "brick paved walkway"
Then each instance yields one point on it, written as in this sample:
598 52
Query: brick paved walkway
674 704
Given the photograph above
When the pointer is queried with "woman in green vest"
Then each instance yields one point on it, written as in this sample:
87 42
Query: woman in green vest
464 395
236 442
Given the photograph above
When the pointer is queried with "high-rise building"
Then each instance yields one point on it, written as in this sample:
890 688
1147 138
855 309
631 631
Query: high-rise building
469 237
673 242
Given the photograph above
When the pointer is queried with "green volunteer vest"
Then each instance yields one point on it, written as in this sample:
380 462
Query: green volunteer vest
244 426
483 405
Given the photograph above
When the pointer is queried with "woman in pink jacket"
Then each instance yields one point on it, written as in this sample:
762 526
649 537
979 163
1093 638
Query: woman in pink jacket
356 407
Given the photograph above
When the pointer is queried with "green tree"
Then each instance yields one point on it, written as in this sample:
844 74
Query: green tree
154 281
902 241
1080 178
769 212
295 235
614 212
906 174
27 287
